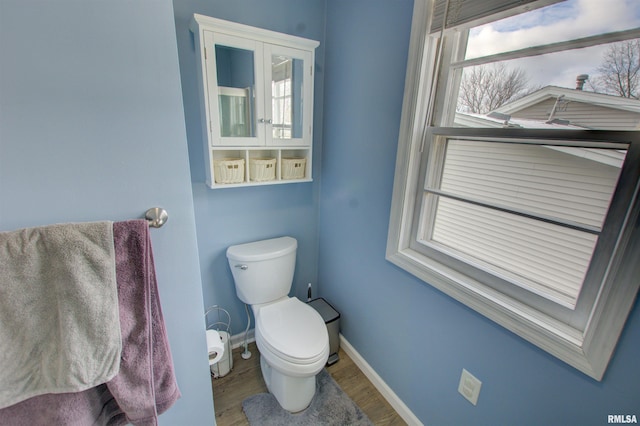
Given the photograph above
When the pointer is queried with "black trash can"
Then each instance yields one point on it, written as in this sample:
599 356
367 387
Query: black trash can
331 318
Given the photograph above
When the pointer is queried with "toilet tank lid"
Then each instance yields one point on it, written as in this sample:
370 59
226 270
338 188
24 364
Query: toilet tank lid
262 250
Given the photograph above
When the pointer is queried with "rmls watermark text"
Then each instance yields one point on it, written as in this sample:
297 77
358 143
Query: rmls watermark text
622 418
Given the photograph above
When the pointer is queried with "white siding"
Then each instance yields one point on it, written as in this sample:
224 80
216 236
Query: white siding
582 114
530 177
548 259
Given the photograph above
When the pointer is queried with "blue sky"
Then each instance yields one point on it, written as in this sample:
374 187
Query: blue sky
563 21
539 17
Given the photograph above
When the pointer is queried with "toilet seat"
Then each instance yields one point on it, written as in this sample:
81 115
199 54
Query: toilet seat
292 331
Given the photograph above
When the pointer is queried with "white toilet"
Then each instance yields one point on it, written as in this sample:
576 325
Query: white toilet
291 336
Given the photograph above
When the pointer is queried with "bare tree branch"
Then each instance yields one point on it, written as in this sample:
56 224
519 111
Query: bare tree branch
619 73
486 87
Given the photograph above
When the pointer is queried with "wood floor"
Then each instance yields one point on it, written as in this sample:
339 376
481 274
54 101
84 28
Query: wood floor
246 379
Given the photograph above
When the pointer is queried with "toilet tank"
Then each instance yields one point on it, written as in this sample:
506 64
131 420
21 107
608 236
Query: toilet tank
263 270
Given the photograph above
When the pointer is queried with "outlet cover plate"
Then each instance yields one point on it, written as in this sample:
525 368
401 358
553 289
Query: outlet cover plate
469 387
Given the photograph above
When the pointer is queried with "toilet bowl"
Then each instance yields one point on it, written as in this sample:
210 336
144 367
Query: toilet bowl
294 346
291 336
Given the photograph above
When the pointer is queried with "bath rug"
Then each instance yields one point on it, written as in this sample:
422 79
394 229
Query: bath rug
330 406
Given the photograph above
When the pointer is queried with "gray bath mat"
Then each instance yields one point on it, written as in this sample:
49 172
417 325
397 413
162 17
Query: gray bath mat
330 406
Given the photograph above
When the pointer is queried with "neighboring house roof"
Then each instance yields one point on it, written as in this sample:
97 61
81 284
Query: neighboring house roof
591 110
552 92
468 119
614 158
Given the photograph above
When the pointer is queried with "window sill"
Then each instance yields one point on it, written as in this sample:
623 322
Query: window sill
587 351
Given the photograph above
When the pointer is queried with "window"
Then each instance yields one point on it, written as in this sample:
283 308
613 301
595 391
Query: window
287 96
281 96
518 174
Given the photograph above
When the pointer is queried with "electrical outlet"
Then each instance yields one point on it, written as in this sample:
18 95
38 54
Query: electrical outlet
469 387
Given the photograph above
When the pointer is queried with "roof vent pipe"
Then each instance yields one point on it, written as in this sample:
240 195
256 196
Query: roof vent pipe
552 115
580 81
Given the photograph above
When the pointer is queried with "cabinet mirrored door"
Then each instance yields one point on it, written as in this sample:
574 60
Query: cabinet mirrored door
235 64
288 89
259 94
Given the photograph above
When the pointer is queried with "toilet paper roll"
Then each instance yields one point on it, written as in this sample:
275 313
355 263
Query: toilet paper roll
225 365
215 346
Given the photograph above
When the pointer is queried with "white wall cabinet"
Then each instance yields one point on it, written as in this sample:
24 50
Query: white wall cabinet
256 90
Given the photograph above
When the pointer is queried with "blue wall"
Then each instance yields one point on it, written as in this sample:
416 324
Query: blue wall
236 215
93 129
415 337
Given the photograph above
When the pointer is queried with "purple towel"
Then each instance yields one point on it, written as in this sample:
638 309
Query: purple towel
145 386
95 406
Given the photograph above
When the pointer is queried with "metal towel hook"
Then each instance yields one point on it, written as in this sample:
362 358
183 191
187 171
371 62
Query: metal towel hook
156 216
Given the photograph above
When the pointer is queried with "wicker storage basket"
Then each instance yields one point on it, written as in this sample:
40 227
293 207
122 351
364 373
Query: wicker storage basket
228 170
293 168
262 169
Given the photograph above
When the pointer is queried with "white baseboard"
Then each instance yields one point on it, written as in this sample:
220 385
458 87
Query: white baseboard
377 381
237 340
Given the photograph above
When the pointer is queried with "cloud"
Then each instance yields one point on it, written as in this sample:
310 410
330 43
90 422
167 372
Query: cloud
560 22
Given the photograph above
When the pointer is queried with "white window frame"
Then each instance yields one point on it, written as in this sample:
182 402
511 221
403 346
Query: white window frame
587 348
282 100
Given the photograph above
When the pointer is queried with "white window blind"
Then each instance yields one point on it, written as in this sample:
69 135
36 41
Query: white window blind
464 11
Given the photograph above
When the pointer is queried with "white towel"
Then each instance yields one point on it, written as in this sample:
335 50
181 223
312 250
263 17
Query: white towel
59 324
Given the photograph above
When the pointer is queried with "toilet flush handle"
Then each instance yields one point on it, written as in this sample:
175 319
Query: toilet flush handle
243 267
